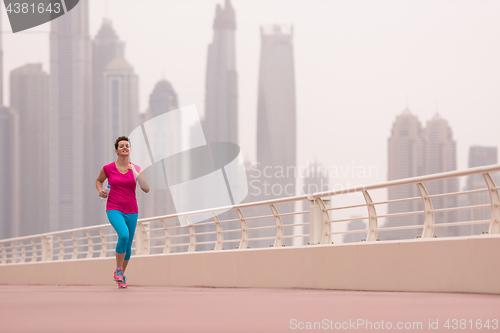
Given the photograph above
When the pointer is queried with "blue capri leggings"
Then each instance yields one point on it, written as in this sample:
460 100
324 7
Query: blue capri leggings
124 225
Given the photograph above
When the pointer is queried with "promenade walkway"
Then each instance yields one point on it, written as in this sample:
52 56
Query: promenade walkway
172 309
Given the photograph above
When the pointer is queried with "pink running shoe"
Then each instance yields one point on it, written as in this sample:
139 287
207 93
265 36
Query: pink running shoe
123 284
118 276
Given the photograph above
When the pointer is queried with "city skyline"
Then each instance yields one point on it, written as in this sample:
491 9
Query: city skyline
377 68
326 155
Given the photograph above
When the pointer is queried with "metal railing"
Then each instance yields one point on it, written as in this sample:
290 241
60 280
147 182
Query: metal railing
155 236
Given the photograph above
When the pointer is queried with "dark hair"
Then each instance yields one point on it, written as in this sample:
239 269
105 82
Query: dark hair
121 138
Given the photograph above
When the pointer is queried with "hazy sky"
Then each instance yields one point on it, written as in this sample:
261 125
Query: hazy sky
357 65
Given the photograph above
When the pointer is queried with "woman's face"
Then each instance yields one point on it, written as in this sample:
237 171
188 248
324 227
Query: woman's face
123 148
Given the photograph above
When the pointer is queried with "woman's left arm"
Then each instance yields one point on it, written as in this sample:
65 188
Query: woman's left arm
139 176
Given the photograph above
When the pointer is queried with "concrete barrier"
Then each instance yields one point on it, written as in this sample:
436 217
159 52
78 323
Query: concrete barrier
461 264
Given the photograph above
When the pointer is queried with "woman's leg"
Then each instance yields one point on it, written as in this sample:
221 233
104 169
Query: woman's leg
117 220
131 221
120 260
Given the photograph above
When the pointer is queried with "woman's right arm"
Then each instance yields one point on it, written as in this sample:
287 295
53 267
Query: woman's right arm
99 182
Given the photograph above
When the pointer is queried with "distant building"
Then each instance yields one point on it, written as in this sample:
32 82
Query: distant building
482 156
221 87
416 151
9 165
116 95
276 123
276 113
159 201
72 196
1 67
145 201
10 175
106 47
406 160
162 99
316 178
479 156
221 97
29 96
440 156
355 237
120 104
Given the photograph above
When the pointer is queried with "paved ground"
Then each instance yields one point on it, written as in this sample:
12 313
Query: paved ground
171 309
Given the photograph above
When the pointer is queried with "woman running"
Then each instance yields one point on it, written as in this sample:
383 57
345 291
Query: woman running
121 206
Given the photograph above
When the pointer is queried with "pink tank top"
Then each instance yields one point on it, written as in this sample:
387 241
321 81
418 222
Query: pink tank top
122 193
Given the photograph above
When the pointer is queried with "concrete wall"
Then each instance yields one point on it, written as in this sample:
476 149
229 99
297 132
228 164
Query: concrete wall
464 264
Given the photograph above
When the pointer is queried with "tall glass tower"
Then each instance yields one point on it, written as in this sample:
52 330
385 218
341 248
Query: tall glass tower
221 87
406 159
9 177
9 164
276 114
106 47
162 99
29 96
70 119
415 151
276 120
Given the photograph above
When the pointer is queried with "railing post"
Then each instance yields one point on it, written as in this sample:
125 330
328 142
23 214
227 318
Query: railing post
168 243
46 248
428 231
90 244
33 252
278 241
142 239
244 231
75 247
104 244
192 235
4 254
23 251
372 218
319 228
219 234
495 204
14 252
61 247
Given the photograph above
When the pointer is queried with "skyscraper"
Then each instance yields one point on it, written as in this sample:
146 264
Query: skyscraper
221 87
355 237
316 178
29 96
1 66
116 100
416 151
9 164
162 99
479 156
106 46
120 105
159 202
440 156
71 186
276 119
276 115
406 160
9 177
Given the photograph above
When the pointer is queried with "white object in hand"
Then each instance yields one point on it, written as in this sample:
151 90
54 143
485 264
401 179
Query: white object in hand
107 192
